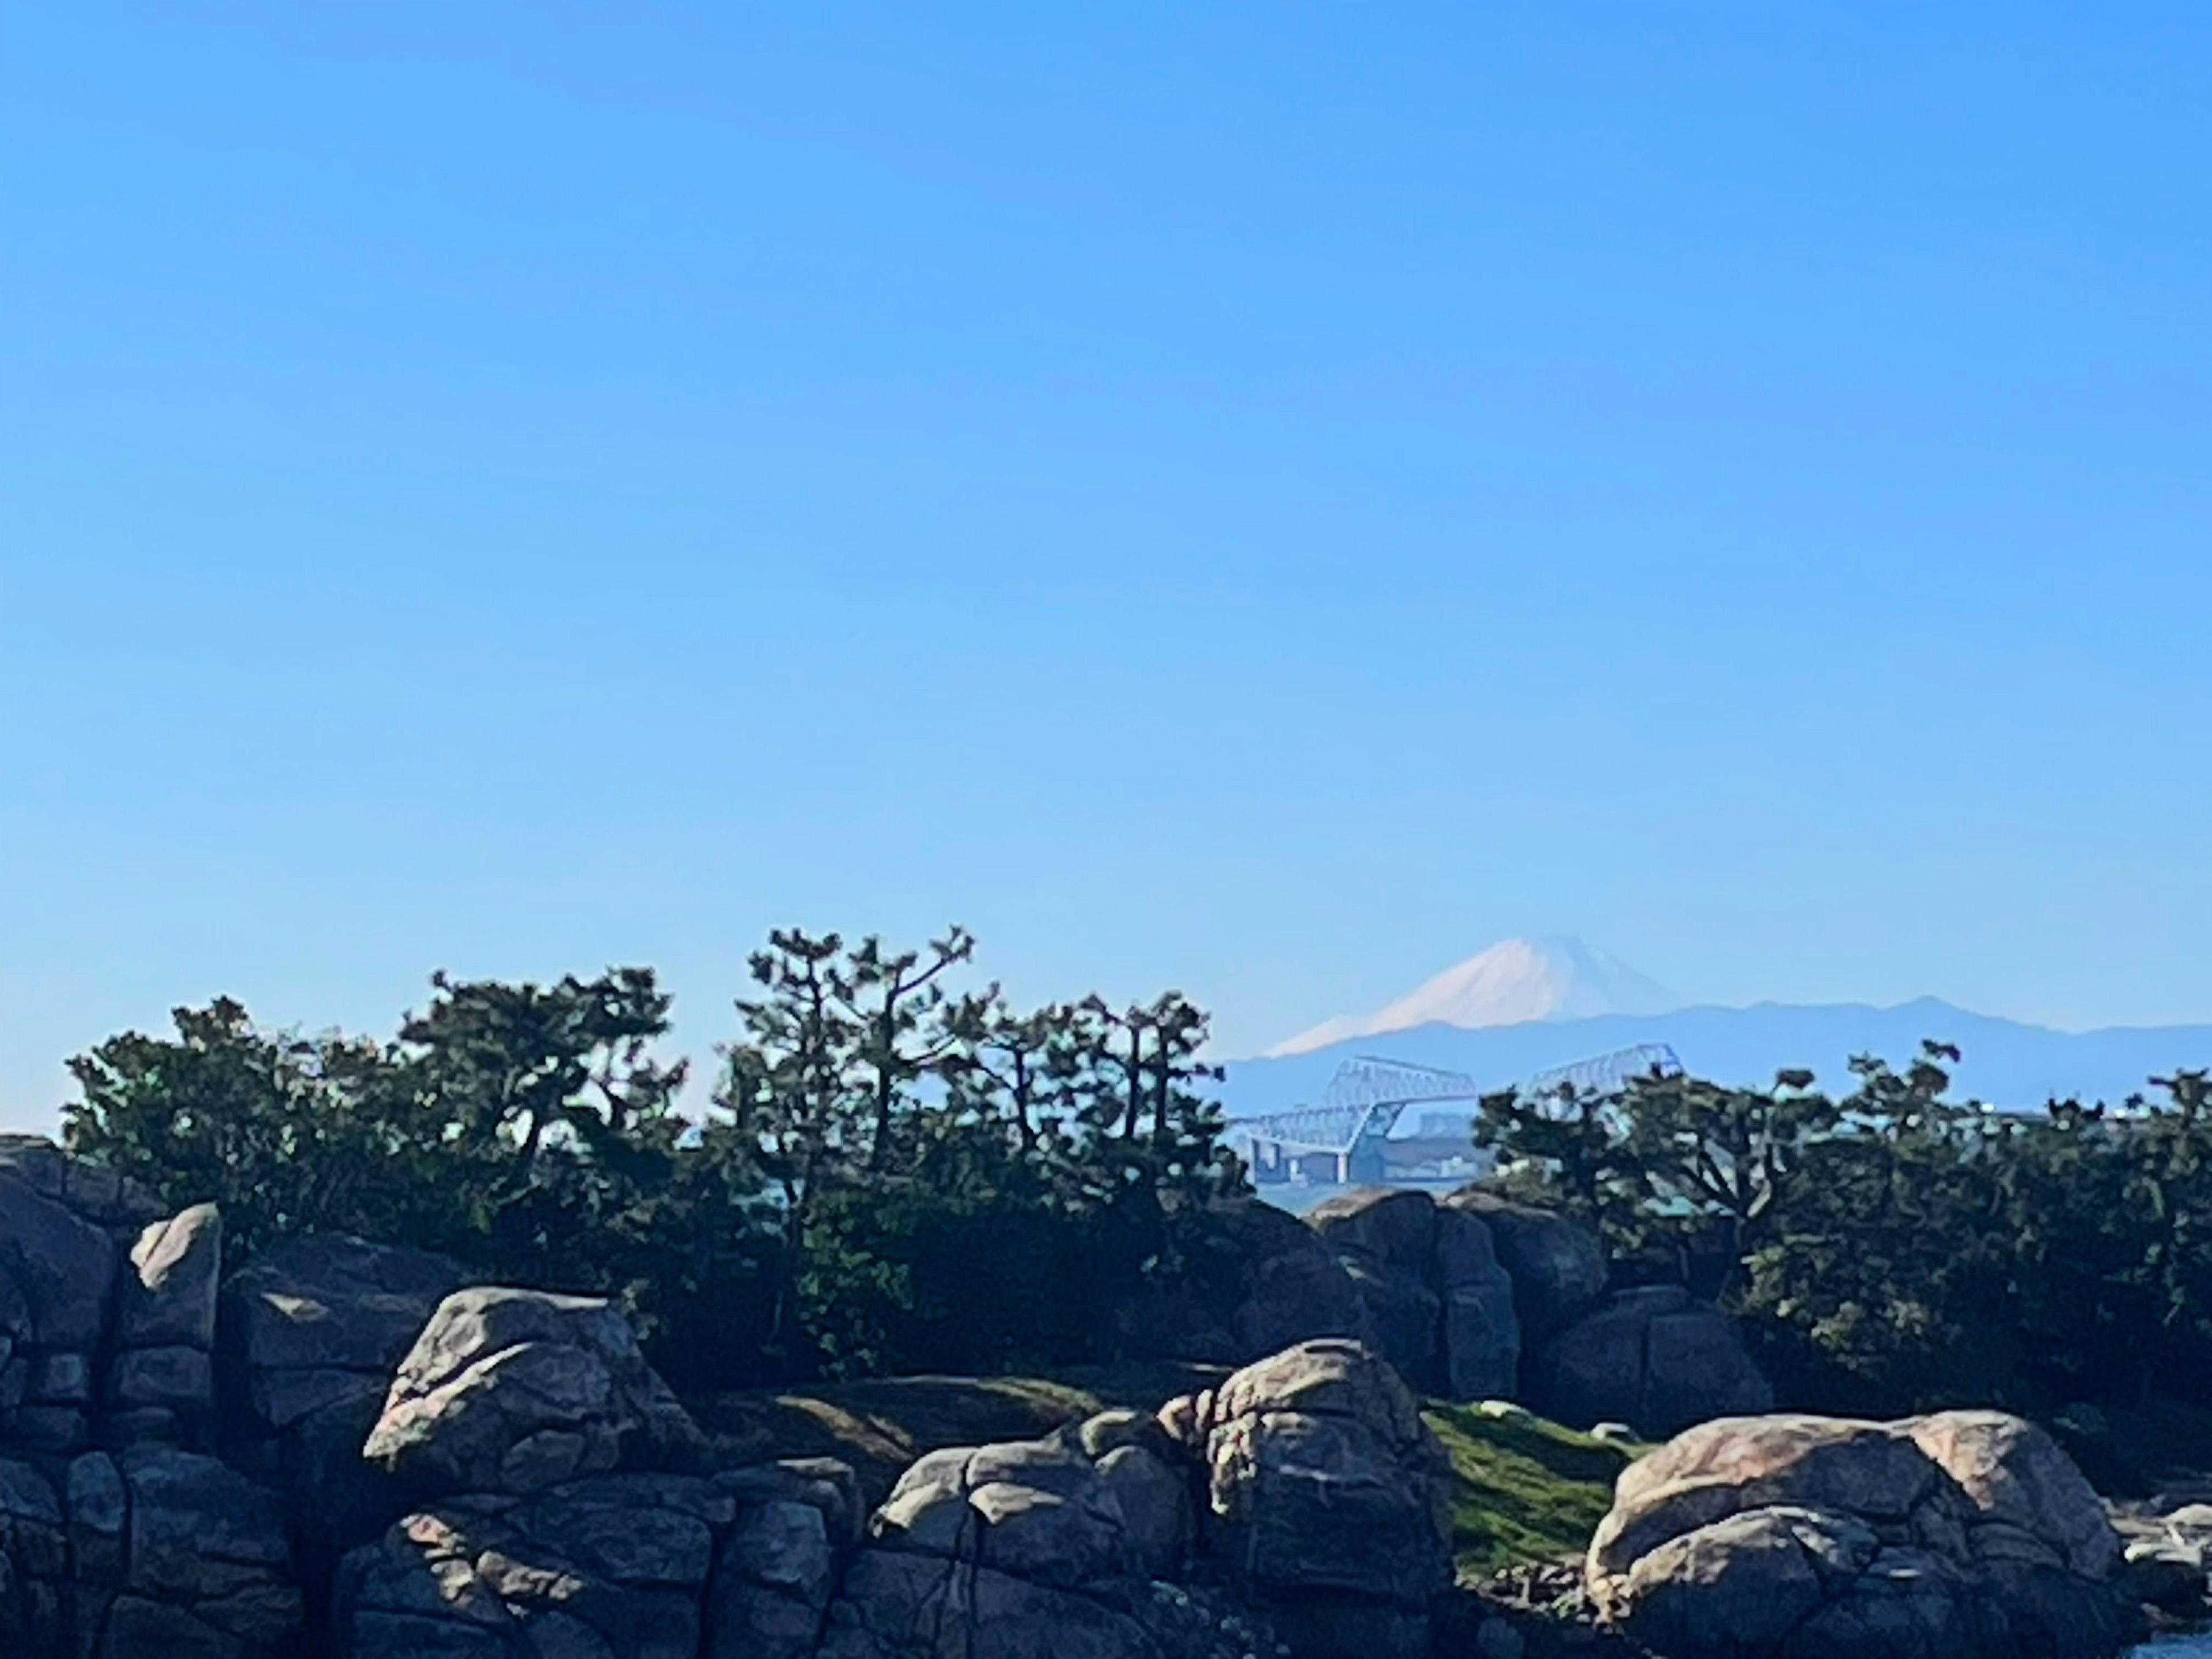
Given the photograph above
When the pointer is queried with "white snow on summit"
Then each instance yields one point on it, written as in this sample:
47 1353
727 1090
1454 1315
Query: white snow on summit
1511 983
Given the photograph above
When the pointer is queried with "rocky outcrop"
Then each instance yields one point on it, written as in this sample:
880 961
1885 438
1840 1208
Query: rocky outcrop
512 1391
178 1553
1261 1280
1042 1547
1326 1498
161 1381
151 1550
1557 1264
610 1563
795 1526
1653 1357
310 1333
1962 1535
658 1566
342 1448
1439 1306
61 1229
1302 1500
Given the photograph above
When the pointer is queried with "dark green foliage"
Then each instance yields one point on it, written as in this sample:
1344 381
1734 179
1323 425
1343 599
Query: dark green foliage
526 1129
959 1182
895 1175
1894 1249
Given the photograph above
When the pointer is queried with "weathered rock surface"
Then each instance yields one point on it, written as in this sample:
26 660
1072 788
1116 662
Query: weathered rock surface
514 1391
1962 1535
106 1200
1440 1308
1326 1498
613 1565
1654 1357
309 1336
1265 1280
160 1380
56 1267
796 1525
1038 1548
1557 1264
151 1550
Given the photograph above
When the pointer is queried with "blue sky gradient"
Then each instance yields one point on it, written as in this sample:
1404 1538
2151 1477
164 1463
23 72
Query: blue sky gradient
1266 500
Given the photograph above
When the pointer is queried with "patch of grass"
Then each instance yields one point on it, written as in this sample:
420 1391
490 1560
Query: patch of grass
1522 1489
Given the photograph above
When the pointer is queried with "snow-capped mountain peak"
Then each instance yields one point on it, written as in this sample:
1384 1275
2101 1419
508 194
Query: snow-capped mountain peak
1511 983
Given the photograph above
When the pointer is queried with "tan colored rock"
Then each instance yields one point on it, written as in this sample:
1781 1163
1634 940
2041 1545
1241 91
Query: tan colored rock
1960 1535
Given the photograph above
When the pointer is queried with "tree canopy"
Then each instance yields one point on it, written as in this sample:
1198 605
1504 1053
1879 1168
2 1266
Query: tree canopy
894 1167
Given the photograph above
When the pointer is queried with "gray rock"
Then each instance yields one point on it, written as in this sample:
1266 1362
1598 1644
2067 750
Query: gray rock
1326 1498
168 1297
332 1304
1653 1357
175 1552
100 1196
517 1391
796 1523
610 1565
1439 1307
180 1379
56 1268
1054 1546
309 1335
1556 1266
63 1377
900 1605
1271 1282
1479 1352
35 1554
1962 1535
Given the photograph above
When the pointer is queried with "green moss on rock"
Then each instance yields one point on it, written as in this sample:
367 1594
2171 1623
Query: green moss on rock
1523 1489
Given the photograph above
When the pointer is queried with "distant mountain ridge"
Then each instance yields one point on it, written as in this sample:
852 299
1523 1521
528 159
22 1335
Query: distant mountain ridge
2004 1062
1513 983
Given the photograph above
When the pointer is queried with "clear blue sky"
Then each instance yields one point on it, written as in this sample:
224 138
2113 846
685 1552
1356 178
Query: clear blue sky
1267 499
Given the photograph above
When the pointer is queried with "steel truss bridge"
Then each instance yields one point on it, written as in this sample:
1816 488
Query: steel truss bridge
1367 1095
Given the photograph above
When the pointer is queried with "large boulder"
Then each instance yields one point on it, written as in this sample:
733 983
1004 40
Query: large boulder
175 1552
610 1565
633 1566
308 1336
1326 1498
795 1525
1963 1535
1440 1308
513 1391
56 1268
73 1299
1037 1549
1654 1357
1259 1280
1557 1264
160 1378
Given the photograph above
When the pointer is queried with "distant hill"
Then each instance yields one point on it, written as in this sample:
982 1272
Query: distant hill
2005 1062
